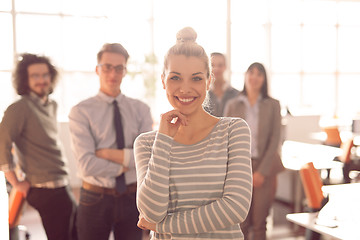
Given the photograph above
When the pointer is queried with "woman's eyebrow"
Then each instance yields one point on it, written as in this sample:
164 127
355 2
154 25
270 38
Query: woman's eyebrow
175 73
197 73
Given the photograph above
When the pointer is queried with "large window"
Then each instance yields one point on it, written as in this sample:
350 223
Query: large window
310 48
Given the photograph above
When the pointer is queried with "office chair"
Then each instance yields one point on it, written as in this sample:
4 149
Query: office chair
312 185
332 136
16 203
345 158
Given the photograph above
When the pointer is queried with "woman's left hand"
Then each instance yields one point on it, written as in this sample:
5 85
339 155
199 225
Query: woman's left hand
145 225
258 179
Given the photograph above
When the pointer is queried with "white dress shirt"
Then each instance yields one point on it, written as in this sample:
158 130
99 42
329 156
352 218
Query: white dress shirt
252 119
92 128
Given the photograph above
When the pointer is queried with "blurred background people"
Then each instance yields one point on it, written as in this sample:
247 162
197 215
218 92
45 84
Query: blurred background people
103 129
31 124
220 91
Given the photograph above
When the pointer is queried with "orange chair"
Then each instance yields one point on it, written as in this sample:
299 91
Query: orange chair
346 147
16 203
312 185
332 136
345 158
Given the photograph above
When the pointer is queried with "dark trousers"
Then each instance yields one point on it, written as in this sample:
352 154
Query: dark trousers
57 209
98 214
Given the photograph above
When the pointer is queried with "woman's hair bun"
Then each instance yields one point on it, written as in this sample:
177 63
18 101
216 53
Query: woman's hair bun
186 35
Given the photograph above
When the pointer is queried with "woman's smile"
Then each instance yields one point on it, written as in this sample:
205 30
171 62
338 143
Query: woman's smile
186 100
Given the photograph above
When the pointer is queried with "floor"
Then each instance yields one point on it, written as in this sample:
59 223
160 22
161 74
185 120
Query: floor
278 227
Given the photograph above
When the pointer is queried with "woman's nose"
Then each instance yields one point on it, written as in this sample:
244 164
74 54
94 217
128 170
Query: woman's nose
185 87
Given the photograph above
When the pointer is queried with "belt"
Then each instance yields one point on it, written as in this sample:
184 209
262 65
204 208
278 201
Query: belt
53 184
131 188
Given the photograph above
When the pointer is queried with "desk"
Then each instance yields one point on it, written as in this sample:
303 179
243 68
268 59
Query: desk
344 135
342 211
344 203
345 190
294 155
307 220
4 208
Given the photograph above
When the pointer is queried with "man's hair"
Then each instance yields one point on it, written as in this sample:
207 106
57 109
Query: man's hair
217 54
113 48
21 76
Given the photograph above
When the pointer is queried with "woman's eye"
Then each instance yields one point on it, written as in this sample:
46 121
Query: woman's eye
175 78
197 78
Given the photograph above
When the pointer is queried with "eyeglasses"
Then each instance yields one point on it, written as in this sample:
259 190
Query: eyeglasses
108 68
37 76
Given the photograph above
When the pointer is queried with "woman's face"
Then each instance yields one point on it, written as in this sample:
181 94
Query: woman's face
186 83
254 80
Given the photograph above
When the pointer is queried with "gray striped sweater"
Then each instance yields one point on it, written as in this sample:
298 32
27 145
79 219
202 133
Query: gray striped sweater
199 191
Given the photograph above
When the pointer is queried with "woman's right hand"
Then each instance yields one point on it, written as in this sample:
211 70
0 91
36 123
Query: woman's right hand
170 122
23 187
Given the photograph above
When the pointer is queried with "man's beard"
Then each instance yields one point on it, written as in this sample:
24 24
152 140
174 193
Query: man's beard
42 93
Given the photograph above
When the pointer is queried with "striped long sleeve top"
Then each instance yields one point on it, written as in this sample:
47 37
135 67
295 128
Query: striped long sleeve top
199 191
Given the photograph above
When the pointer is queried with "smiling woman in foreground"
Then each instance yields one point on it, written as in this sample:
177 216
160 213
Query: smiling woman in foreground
194 173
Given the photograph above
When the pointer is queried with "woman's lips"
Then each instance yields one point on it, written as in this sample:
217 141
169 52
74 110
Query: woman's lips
186 100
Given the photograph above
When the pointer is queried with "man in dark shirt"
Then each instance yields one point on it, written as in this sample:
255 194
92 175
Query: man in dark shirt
30 123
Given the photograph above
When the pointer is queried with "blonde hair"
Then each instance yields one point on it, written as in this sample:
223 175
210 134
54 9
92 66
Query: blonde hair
186 45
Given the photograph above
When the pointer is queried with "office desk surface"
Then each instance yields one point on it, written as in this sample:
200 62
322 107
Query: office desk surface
296 154
342 230
344 135
342 189
344 202
339 218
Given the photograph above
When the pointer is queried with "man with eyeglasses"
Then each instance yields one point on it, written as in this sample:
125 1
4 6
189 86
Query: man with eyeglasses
103 130
30 124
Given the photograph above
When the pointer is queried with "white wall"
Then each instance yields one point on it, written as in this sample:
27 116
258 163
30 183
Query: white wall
302 128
